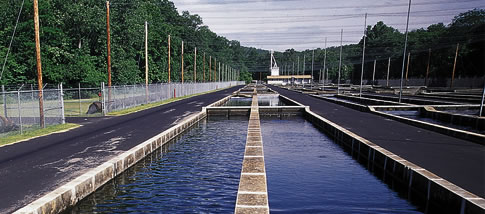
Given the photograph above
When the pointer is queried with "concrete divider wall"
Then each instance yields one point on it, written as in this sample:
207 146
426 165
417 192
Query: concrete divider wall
423 187
71 193
474 122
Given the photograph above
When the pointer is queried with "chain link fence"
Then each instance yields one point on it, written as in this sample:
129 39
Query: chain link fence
20 110
127 96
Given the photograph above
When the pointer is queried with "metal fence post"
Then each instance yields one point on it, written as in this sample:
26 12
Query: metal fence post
4 101
103 104
79 94
61 99
32 100
19 112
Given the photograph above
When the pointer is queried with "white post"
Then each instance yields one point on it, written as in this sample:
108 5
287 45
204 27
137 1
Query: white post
4 101
481 104
388 68
374 73
103 104
19 112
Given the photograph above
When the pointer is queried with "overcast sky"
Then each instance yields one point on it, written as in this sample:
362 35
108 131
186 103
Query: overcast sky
304 24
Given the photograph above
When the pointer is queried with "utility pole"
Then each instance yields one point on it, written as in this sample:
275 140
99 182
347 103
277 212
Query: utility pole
363 56
427 68
109 52
182 66
388 69
454 65
210 68
404 52
374 73
407 68
39 64
195 65
146 54
146 61
215 70
340 61
168 58
219 67
109 43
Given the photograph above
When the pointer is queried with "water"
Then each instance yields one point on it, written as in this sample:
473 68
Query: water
416 116
263 100
308 173
198 173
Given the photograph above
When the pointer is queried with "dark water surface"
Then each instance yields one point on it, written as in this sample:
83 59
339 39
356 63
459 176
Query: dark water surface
308 173
197 173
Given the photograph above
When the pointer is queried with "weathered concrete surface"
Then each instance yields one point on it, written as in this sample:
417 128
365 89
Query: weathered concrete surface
31 169
252 196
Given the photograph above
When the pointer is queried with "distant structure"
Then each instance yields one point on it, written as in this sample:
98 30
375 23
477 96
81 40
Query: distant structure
276 79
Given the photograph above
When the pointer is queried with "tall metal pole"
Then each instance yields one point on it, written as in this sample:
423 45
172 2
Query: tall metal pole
340 61
363 56
203 68
39 64
325 60
374 73
210 68
219 67
303 70
427 68
195 65
481 104
454 65
182 63
404 52
215 70
407 68
388 69
168 58
298 66
313 60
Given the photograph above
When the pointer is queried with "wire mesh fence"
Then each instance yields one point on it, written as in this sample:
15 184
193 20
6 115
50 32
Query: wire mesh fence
20 109
127 96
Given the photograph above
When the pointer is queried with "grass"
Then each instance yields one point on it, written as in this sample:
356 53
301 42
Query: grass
15 138
152 105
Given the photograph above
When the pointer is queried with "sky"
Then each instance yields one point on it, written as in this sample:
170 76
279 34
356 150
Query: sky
304 24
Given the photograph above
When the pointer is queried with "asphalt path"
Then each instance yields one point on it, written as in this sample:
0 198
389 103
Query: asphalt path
458 161
30 169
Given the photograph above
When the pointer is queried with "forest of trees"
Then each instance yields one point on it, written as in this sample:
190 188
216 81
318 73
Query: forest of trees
467 29
73 44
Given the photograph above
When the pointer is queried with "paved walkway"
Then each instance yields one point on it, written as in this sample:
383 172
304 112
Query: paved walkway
458 161
30 169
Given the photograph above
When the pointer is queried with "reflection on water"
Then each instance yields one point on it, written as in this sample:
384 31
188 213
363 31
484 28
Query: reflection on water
198 173
308 173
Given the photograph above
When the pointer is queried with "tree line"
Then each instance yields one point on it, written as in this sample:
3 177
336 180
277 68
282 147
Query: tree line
74 43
